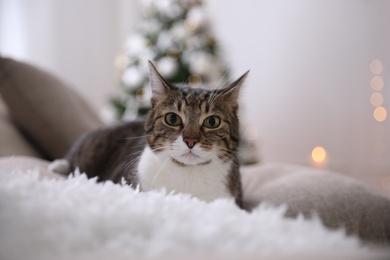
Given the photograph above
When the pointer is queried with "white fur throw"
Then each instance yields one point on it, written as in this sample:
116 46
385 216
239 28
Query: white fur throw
77 218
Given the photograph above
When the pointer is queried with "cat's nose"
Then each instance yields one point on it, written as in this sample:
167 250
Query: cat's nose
190 141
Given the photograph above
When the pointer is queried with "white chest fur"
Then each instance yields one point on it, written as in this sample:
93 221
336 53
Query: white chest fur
206 182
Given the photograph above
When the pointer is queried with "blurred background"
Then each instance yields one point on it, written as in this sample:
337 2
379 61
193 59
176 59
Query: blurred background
318 93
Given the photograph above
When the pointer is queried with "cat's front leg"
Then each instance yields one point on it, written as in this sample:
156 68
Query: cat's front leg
61 166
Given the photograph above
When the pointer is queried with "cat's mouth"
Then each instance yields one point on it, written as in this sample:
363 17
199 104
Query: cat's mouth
190 155
190 158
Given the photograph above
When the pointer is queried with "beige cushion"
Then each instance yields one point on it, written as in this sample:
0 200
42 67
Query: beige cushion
44 107
12 142
338 200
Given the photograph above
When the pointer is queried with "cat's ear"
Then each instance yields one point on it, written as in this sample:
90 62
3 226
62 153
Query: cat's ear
158 84
231 93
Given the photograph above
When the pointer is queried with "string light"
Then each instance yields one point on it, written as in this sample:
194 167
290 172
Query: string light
379 146
376 67
376 99
319 155
377 83
380 114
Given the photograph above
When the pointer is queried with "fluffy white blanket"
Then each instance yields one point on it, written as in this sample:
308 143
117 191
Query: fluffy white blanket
77 218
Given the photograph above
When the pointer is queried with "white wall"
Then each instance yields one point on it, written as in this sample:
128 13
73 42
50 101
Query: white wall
310 78
76 39
309 59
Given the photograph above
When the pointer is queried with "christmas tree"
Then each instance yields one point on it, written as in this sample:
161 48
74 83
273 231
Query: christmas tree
176 35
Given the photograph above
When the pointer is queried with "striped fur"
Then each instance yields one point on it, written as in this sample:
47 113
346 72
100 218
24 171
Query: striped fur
188 157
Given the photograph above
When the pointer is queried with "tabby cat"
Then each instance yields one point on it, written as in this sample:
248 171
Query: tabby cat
187 144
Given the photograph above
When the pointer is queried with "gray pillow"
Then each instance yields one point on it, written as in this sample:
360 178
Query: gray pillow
45 108
12 142
339 200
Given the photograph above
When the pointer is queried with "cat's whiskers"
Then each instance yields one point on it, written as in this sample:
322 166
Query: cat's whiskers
227 157
189 181
137 154
215 95
221 83
211 97
134 137
185 82
133 161
135 146
160 169
160 148
219 86
137 157
227 150
161 158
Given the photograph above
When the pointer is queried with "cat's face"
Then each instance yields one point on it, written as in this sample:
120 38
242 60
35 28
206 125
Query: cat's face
192 126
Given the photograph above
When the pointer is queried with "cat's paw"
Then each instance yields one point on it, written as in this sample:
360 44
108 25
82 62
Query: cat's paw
60 166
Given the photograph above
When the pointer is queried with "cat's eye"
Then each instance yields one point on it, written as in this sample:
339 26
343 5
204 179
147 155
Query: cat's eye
212 122
172 119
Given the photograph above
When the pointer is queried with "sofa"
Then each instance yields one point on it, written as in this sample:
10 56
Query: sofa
41 116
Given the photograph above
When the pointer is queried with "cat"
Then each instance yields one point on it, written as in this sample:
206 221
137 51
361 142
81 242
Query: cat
187 144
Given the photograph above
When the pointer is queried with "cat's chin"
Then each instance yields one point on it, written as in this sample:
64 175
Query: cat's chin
190 159
184 156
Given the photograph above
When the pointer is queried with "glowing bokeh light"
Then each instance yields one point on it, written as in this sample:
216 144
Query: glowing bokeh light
191 24
380 114
121 62
173 53
318 154
376 99
377 83
251 133
139 94
195 80
376 67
